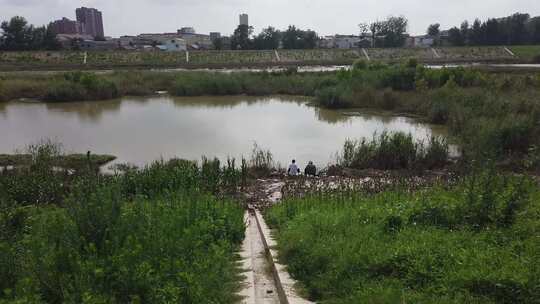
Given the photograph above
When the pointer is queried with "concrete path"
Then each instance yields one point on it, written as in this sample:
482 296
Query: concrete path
259 284
266 280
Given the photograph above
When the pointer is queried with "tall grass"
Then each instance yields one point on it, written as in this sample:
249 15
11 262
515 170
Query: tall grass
394 151
263 83
153 235
473 243
261 161
492 116
77 86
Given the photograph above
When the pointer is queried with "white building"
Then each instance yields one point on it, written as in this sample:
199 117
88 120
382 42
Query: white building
173 45
344 42
424 41
188 30
244 19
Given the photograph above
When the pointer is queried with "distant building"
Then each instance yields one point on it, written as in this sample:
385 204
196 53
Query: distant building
195 41
67 26
244 19
91 45
173 45
444 38
424 41
158 37
345 42
186 31
215 35
69 41
92 20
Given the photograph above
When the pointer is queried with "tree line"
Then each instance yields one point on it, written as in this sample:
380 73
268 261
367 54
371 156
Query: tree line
391 32
512 30
271 38
18 35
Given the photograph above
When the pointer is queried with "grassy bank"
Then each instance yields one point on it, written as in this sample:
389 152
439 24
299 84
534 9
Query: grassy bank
264 58
76 86
473 243
528 52
153 235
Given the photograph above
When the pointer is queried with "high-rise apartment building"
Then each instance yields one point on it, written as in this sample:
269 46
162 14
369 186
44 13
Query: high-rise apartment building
67 26
92 20
244 19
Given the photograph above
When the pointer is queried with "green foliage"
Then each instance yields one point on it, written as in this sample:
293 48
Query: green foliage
286 82
18 35
295 38
240 39
394 151
473 243
146 235
497 138
360 64
78 86
268 39
36 184
63 91
392 30
197 84
336 97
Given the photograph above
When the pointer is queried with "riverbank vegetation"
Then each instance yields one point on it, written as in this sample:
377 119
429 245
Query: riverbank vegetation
70 161
157 234
475 242
392 151
490 115
487 114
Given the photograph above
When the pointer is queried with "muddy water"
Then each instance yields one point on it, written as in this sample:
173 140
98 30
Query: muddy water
139 130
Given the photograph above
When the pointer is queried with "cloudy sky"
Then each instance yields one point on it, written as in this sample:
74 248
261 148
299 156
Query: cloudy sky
326 17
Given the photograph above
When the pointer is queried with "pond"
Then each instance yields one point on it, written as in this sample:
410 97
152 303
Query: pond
140 130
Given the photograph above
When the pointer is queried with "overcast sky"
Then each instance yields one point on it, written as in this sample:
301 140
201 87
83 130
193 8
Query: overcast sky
128 17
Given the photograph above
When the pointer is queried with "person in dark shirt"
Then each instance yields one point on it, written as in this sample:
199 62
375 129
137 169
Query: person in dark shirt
310 170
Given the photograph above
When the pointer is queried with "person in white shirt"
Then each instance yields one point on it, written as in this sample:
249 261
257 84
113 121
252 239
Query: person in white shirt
293 169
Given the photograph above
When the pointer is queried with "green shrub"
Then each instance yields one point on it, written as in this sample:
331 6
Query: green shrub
389 151
389 100
63 91
334 97
431 246
197 84
412 63
78 86
436 153
498 137
36 184
439 112
360 64
148 235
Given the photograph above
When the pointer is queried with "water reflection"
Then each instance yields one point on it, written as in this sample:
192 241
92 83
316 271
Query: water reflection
331 116
228 102
139 130
90 111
